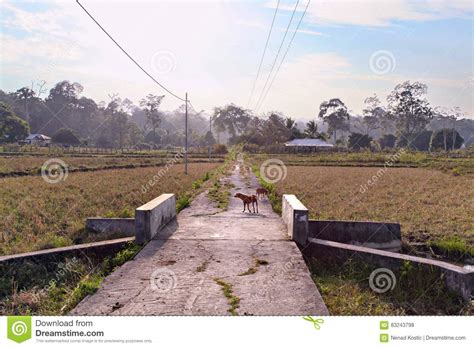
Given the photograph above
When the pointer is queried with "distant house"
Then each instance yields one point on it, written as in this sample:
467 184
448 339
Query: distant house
38 139
309 144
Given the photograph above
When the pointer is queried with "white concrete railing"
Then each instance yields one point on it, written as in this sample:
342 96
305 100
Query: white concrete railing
152 216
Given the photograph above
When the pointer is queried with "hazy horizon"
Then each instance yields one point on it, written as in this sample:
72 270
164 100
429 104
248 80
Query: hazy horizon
211 50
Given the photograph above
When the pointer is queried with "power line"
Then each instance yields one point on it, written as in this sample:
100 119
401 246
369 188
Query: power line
263 54
286 53
278 53
128 55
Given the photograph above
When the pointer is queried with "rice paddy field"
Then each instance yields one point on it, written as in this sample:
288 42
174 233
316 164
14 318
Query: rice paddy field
26 164
431 197
38 215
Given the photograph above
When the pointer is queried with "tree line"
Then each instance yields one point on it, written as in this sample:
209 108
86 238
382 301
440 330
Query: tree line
406 120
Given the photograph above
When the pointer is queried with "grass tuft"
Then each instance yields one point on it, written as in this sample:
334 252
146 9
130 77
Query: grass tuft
234 301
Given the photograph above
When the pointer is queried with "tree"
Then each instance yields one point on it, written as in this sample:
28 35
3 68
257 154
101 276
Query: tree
152 138
410 110
334 113
419 142
25 94
311 130
291 125
359 141
12 128
66 136
387 141
150 104
373 114
61 107
231 118
448 118
274 130
209 139
444 137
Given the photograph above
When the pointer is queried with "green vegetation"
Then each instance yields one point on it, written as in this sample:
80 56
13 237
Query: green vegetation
202 267
233 300
253 269
346 291
57 286
198 183
273 196
12 127
453 248
183 202
219 194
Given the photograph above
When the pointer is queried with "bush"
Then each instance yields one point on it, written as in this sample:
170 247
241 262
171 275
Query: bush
66 136
387 141
420 141
452 138
143 146
152 137
220 149
251 148
12 128
359 141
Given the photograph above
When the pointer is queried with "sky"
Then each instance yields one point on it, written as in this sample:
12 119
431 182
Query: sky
211 50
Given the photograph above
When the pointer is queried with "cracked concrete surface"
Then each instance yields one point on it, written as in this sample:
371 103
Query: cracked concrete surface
174 273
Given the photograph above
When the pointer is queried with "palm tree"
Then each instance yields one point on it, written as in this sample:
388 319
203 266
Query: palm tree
25 94
290 123
311 130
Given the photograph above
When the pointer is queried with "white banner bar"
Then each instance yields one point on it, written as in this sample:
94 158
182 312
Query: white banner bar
235 331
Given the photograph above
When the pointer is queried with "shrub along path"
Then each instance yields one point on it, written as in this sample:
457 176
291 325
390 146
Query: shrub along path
211 261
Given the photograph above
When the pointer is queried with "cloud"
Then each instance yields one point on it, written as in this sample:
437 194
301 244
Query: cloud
304 82
377 13
305 31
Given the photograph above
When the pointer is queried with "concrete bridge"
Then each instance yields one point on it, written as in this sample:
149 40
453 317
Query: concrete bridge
213 262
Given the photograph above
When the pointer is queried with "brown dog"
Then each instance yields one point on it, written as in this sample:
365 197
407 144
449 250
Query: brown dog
261 192
247 200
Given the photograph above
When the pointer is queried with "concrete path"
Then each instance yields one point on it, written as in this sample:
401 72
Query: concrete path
212 262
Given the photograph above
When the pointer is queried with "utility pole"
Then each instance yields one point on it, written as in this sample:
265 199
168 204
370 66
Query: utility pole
210 134
186 137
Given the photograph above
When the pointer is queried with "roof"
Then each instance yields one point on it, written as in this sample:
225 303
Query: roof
38 136
308 142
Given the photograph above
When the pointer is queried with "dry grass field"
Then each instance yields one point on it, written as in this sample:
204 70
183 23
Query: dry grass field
28 164
38 215
430 195
430 205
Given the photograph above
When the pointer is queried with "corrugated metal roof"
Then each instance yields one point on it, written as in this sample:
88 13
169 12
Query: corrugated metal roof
38 136
308 142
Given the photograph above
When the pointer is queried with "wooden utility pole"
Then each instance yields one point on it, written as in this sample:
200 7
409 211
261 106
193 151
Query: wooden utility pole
210 135
186 137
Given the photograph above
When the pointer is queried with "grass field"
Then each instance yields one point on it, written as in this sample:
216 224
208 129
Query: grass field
433 206
29 164
431 197
38 215
457 163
